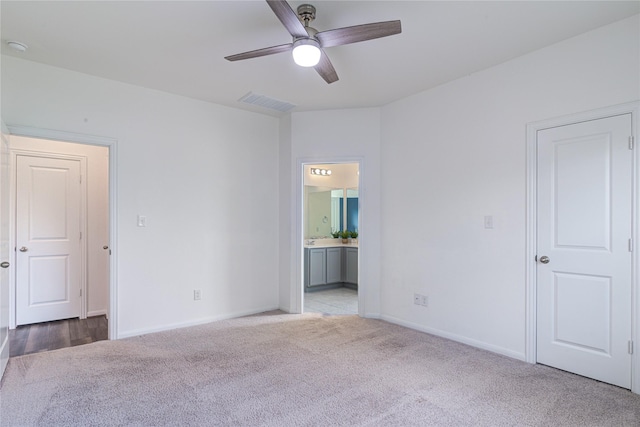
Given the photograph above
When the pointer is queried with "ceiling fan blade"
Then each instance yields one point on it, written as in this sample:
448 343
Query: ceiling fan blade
326 70
288 17
260 52
358 33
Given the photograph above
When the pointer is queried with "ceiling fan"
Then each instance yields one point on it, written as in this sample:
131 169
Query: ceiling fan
308 44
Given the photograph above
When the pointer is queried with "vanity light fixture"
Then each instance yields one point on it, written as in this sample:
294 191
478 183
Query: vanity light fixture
322 172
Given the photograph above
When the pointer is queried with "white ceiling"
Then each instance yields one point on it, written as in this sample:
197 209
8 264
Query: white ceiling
179 46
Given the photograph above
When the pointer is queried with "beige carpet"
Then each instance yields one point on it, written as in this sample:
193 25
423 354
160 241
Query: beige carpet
299 370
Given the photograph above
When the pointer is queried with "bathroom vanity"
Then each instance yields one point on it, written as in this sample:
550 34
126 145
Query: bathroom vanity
330 266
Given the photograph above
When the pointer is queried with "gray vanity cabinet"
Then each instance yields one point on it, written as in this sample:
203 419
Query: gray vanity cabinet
330 266
334 265
317 262
351 261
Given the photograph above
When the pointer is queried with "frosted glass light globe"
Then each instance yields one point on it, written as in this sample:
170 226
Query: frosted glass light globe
306 52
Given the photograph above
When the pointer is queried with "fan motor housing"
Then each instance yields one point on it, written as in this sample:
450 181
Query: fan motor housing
306 13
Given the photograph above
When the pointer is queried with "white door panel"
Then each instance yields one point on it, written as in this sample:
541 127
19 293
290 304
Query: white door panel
588 325
582 180
48 272
584 225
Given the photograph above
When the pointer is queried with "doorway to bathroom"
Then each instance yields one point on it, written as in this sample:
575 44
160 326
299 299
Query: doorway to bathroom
331 234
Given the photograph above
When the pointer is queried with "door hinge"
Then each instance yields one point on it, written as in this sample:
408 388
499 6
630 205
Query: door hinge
80 291
631 142
630 347
630 245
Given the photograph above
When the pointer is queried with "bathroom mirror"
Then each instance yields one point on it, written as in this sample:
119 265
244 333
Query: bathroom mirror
352 209
319 213
330 199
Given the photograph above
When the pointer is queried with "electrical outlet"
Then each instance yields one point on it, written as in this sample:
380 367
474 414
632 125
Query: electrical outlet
424 300
197 295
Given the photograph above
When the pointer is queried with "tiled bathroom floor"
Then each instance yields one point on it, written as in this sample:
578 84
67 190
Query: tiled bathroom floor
332 301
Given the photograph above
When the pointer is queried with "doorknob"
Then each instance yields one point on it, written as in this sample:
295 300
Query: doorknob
544 259
105 247
4 264
23 249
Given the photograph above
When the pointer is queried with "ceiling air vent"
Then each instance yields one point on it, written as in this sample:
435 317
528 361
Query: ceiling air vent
266 102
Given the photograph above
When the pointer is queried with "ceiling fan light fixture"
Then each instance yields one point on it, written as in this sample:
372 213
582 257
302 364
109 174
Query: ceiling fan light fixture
308 43
306 52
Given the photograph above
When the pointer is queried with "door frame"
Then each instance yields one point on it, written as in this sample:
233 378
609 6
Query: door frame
4 306
112 146
13 224
297 288
632 108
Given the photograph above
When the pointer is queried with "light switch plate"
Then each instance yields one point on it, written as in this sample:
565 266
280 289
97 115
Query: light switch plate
142 221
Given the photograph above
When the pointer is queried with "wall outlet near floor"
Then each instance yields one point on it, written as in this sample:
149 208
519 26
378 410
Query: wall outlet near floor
424 301
197 295
419 299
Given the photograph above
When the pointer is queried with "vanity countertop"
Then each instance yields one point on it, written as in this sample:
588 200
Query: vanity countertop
329 243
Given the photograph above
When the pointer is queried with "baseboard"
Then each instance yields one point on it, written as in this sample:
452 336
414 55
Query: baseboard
373 316
201 321
97 313
453 337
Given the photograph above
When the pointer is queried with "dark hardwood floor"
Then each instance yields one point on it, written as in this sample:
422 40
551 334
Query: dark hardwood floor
59 334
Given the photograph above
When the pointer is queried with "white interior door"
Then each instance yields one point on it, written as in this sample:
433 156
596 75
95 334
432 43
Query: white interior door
4 251
584 264
48 256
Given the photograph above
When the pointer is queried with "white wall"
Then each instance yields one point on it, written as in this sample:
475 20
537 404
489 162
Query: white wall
322 137
97 221
286 224
456 153
205 176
